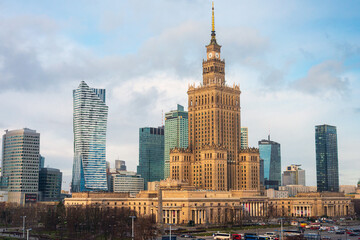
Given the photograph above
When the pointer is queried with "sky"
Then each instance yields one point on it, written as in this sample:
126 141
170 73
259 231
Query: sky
297 63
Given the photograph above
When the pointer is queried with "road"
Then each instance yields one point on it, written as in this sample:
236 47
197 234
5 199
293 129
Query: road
333 236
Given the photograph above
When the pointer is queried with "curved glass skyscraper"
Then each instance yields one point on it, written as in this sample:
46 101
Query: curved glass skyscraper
89 122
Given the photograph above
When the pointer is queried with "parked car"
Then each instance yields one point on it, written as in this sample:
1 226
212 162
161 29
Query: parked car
186 236
354 234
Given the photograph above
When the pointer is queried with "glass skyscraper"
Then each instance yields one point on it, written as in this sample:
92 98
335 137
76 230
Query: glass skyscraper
270 153
151 154
327 169
89 122
176 134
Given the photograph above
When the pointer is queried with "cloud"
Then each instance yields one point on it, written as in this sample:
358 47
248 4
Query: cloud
324 78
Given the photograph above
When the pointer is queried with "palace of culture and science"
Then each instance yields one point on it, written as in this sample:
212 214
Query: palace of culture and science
213 180
213 160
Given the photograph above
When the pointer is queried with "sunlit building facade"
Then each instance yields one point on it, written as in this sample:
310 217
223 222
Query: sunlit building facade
89 123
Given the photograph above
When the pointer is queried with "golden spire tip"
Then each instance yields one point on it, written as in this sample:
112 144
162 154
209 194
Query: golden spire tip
213 17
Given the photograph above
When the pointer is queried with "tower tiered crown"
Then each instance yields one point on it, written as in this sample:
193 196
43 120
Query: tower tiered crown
213 66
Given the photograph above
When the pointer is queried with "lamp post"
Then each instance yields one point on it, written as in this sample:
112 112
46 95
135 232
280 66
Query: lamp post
23 217
132 227
281 229
27 233
170 231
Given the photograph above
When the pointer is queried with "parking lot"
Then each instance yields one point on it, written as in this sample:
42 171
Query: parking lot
261 231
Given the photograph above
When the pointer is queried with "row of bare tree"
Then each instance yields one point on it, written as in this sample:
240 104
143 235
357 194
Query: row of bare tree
78 222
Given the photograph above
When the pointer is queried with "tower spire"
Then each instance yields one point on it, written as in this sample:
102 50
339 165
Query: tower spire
213 35
213 19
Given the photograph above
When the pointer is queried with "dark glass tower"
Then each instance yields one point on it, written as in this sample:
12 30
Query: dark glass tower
270 153
151 154
327 168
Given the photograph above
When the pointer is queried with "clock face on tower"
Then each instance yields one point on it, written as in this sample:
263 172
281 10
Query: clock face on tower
210 55
217 55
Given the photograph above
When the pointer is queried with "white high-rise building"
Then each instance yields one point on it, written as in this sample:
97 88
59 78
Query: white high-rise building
244 138
20 165
293 175
90 123
126 181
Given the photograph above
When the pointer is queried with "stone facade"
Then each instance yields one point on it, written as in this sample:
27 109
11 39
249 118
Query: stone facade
312 204
212 160
178 203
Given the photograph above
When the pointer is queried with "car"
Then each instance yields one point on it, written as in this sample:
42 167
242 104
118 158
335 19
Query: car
326 237
187 236
354 234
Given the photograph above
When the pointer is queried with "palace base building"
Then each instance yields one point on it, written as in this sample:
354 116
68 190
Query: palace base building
178 203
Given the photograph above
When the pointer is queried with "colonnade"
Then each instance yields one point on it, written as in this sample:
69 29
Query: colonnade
336 210
171 216
199 216
254 209
302 211
223 214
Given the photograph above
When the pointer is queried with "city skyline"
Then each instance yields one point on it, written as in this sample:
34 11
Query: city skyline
276 72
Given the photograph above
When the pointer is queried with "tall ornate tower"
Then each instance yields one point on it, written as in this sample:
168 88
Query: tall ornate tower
214 128
213 67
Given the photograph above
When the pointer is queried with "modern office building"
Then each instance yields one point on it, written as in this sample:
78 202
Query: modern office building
151 154
120 165
176 134
293 175
261 167
244 138
20 165
89 123
295 189
126 181
50 180
327 169
270 153
42 162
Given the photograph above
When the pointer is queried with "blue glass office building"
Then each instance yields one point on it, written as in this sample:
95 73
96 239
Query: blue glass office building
270 153
89 123
151 154
327 169
176 134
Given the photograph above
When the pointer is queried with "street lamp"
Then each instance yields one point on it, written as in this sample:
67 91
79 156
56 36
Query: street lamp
170 231
27 233
132 226
281 229
23 217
